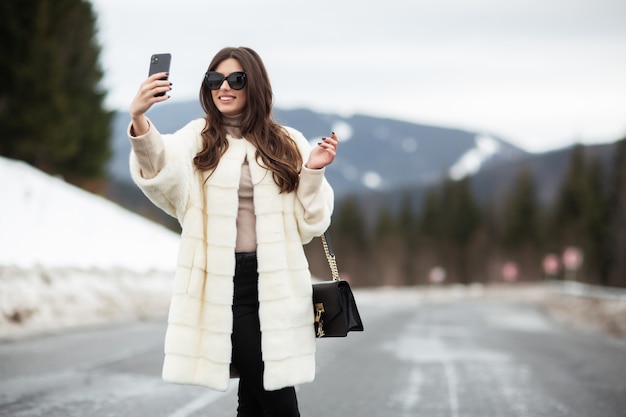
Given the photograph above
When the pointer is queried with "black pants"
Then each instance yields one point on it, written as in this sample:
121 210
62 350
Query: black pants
254 400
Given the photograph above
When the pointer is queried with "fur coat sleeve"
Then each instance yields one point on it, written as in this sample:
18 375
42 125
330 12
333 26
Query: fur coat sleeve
169 189
314 195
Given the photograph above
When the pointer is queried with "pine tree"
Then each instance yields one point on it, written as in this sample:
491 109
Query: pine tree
520 218
595 223
617 219
429 242
520 236
350 224
386 225
447 223
51 100
430 216
568 206
461 213
351 242
408 235
388 249
407 223
580 214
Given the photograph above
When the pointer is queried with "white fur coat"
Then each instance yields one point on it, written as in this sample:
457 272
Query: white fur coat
198 338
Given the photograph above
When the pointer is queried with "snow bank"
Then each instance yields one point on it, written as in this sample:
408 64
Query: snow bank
69 257
46 222
47 299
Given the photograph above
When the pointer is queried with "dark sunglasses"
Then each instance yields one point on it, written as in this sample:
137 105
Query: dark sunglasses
214 80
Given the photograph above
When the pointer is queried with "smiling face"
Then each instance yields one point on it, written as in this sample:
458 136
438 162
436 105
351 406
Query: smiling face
228 101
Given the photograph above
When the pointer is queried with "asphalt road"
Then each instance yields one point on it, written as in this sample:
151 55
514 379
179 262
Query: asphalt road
465 359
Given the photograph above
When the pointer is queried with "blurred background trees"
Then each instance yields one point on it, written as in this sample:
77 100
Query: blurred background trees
452 234
51 102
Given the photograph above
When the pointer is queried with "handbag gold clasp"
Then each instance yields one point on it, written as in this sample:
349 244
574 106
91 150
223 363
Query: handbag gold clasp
319 309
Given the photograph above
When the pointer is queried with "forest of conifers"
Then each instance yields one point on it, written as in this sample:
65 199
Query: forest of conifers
452 238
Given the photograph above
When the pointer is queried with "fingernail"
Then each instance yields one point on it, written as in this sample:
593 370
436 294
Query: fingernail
332 133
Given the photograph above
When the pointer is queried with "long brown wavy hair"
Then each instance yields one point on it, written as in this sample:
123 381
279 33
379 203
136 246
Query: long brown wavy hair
277 151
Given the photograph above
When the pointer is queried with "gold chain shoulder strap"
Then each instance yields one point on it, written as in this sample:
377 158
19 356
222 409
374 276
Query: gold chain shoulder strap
330 256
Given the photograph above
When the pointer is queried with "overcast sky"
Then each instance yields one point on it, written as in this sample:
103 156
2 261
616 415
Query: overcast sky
540 73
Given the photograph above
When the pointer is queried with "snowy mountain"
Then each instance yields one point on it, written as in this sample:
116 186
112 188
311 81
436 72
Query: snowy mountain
381 161
68 256
375 153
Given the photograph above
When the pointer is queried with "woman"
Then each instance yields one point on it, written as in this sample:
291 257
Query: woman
248 194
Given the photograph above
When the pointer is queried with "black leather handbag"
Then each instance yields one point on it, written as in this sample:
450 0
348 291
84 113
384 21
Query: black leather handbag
334 305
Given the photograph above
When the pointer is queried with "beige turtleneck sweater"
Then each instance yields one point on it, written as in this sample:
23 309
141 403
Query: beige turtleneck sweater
246 220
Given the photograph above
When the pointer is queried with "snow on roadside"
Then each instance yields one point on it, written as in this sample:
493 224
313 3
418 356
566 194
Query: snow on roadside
46 222
69 257
601 310
50 299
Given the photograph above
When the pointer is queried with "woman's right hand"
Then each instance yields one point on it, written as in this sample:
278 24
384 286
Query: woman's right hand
145 98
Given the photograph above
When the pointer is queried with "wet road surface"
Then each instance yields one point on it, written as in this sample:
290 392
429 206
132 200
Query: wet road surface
464 359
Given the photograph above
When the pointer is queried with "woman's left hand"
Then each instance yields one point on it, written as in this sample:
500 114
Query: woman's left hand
324 153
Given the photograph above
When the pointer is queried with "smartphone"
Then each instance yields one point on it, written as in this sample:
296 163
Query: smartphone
160 63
